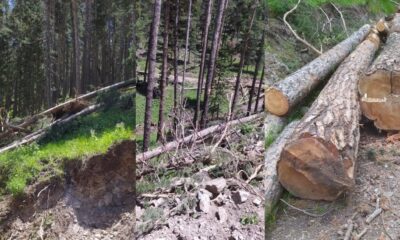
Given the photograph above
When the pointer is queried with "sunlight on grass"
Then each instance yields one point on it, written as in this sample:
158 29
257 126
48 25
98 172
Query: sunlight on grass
87 136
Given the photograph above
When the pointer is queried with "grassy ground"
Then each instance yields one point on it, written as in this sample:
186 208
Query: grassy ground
86 136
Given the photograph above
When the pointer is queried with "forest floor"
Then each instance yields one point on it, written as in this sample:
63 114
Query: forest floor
377 177
198 193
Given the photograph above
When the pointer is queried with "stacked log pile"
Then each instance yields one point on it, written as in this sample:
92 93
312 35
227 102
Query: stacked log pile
315 158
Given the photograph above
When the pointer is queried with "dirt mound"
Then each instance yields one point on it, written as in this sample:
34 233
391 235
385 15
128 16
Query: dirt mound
95 198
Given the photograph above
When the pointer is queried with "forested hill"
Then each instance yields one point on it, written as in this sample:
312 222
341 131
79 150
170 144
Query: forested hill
52 50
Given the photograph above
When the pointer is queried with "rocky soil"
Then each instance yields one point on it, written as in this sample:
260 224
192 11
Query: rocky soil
93 200
221 200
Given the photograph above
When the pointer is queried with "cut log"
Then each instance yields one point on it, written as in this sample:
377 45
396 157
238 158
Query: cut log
285 94
42 132
273 189
380 88
318 163
273 125
142 157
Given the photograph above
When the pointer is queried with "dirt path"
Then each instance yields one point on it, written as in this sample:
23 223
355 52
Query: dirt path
377 177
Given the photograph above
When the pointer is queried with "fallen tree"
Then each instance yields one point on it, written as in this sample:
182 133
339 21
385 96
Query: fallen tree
71 106
142 157
380 88
285 94
318 162
42 132
273 189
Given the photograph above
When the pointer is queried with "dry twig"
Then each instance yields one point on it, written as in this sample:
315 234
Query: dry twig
294 32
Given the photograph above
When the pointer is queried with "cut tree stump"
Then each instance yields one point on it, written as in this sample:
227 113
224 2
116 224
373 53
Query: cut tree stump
318 163
380 88
285 94
273 189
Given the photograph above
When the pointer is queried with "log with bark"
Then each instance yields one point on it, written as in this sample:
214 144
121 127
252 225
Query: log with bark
319 161
72 106
42 132
142 157
273 188
285 94
380 88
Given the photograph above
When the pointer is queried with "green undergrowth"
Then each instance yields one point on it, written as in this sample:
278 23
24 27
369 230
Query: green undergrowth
86 136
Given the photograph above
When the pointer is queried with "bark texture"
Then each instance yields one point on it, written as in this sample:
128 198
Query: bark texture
318 163
380 88
283 95
273 189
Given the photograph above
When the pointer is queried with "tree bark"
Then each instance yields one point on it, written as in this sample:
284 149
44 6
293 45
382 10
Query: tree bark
202 62
176 58
319 161
49 33
151 74
42 132
87 45
258 62
142 157
164 74
241 64
259 89
273 189
76 88
189 19
212 60
380 89
285 94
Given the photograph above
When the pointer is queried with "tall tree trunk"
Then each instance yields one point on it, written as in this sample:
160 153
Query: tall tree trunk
164 74
151 75
189 19
203 61
258 62
76 49
241 64
87 45
49 33
176 57
213 59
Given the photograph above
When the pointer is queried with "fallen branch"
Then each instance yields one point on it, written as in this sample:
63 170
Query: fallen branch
142 157
304 211
341 17
294 32
361 234
350 226
86 96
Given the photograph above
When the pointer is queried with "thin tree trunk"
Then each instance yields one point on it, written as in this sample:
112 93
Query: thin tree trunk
258 62
186 53
164 74
151 75
212 60
76 49
259 89
202 62
87 46
241 64
176 57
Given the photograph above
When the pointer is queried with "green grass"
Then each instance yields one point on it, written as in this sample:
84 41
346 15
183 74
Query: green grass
86 136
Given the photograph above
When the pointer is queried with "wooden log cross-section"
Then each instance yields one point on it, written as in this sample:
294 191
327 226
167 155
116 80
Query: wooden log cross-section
285 94
318 162
380 88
